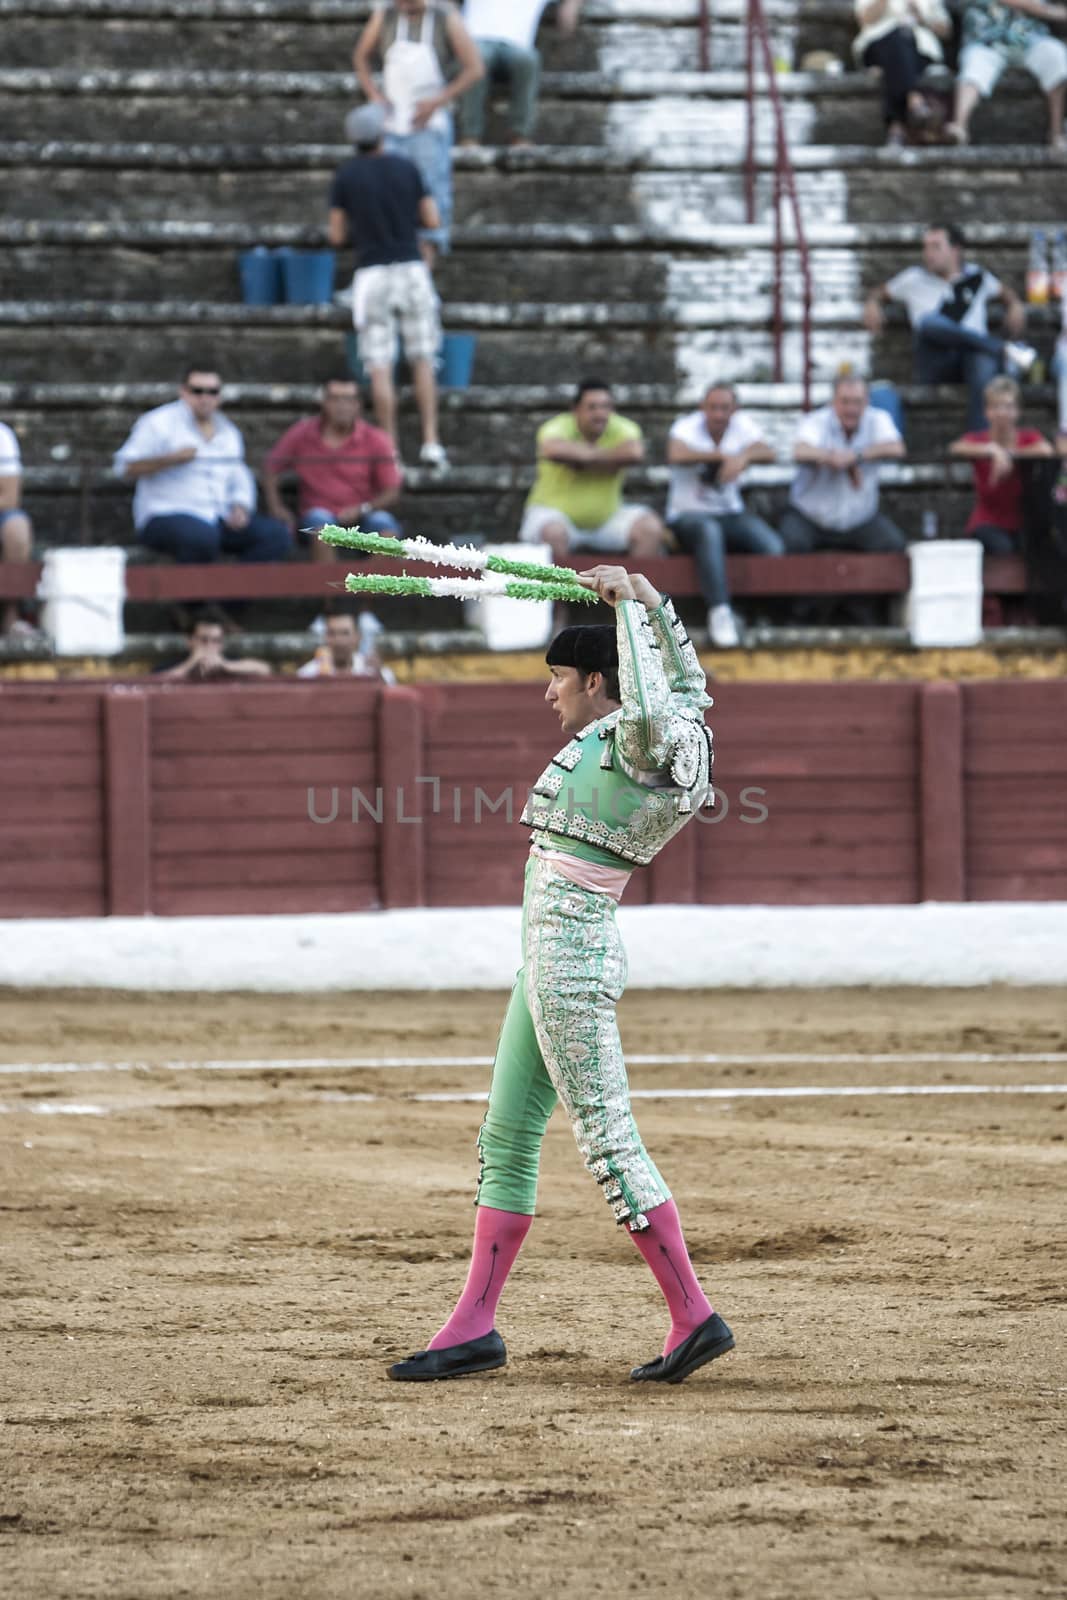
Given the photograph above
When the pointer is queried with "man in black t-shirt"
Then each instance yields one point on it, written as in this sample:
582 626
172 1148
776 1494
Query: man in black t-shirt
377 202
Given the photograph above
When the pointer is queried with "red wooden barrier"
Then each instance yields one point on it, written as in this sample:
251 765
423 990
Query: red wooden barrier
823 572
341 796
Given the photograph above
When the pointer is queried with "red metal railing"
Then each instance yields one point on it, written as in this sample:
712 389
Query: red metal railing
758 45
704 15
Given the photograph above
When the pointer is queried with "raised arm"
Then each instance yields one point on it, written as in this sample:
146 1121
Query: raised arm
366 47
652 710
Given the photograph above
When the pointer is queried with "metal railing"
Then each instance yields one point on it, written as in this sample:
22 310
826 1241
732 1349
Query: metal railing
758 52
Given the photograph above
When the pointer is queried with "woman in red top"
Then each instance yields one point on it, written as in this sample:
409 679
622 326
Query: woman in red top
997 518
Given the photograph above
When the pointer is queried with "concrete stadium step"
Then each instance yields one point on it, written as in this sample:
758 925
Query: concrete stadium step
451 508
714 265
663 34
294 353
666 190
635 109
64 424
632 341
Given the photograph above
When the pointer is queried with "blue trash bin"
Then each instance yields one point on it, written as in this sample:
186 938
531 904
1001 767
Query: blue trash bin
455 363
355 365
307 276
261 282
886 397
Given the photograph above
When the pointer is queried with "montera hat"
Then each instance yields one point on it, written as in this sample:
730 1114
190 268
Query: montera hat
366 124
593 648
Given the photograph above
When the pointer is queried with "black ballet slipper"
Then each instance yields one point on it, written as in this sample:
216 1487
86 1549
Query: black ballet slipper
454 1361
713 1338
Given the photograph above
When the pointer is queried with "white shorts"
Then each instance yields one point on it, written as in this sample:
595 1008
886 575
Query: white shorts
1045 59
385 299
613 535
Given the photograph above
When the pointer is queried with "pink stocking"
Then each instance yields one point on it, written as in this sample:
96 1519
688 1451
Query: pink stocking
498 1237
663 1247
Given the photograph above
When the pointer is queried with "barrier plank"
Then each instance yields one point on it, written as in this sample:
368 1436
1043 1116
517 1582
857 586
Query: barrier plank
33 839
54 873
941 857
762 858
401 762
126 737
239 837
214 771
264 900
225 872
58 771
796 891
1019 886
40 900
266 736
260 700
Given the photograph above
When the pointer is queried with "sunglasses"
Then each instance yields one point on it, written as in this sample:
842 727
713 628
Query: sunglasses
204 388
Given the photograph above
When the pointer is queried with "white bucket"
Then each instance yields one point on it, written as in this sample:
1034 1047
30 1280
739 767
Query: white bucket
944 605
513 624
84 590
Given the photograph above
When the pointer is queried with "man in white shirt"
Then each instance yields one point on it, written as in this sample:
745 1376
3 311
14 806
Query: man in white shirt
947 301
195 498
504 31
833 502
16 532
708 451
344 654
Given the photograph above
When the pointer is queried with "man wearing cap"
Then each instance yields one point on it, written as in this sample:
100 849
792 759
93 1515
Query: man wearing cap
636 768
377 203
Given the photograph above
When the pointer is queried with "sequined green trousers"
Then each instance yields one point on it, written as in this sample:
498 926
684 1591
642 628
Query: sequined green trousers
560 1040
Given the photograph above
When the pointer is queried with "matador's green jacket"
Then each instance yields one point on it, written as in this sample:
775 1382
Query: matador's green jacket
630 781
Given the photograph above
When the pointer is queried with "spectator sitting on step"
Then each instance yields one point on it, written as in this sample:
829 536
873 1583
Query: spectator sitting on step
1010 33
16 531
902 38
206 663
350 650
504 32
708 451
947 301
996 519
377 202
833 501
346 470
417 42
195 498
576 501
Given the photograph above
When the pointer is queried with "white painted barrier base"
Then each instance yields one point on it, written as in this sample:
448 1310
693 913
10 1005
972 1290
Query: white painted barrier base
684 947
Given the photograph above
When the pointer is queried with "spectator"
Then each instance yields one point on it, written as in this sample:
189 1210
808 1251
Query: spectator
1010 33
206 663
346 470
376 202
833 502
996 519
947 301
708 451
345 653
16 531
576 501
504 32
195 497
417 42
901 38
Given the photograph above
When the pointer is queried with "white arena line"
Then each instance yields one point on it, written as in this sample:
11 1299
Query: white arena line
804 1092
963 1058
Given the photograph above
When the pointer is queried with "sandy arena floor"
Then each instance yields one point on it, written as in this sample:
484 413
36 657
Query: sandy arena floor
206 1271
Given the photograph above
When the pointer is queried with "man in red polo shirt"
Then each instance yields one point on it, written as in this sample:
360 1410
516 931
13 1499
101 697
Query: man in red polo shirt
346 470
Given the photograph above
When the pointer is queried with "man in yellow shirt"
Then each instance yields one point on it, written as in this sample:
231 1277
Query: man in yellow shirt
576 501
